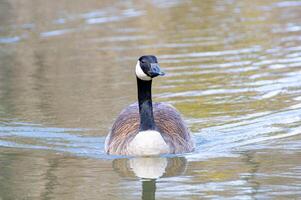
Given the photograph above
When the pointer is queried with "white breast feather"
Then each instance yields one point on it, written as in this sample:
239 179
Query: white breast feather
148 143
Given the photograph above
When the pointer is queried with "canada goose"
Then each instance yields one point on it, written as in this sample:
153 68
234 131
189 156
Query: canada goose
147 128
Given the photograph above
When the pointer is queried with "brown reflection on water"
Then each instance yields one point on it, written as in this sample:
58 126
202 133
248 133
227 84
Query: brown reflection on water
55 176
42 175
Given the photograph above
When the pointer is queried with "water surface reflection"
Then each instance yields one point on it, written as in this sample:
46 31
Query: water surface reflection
233 70
149 169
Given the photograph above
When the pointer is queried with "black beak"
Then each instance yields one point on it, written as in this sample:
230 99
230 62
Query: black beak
155 70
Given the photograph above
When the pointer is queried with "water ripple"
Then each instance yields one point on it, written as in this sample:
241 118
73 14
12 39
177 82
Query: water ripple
8 40
31 136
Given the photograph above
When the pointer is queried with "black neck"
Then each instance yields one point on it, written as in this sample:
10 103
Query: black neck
147 121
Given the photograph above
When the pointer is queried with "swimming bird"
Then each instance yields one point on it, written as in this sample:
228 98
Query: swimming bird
145 128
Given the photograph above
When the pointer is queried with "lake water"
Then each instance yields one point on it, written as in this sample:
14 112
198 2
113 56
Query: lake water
233 69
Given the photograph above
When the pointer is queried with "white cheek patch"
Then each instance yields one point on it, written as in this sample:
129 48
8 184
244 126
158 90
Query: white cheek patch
140 74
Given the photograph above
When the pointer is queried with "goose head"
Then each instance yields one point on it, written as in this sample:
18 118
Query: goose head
147 68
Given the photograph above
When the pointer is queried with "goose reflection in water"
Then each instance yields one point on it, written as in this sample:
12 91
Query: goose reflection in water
149 169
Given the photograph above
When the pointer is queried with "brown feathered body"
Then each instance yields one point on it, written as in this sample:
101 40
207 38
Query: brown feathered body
168 122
